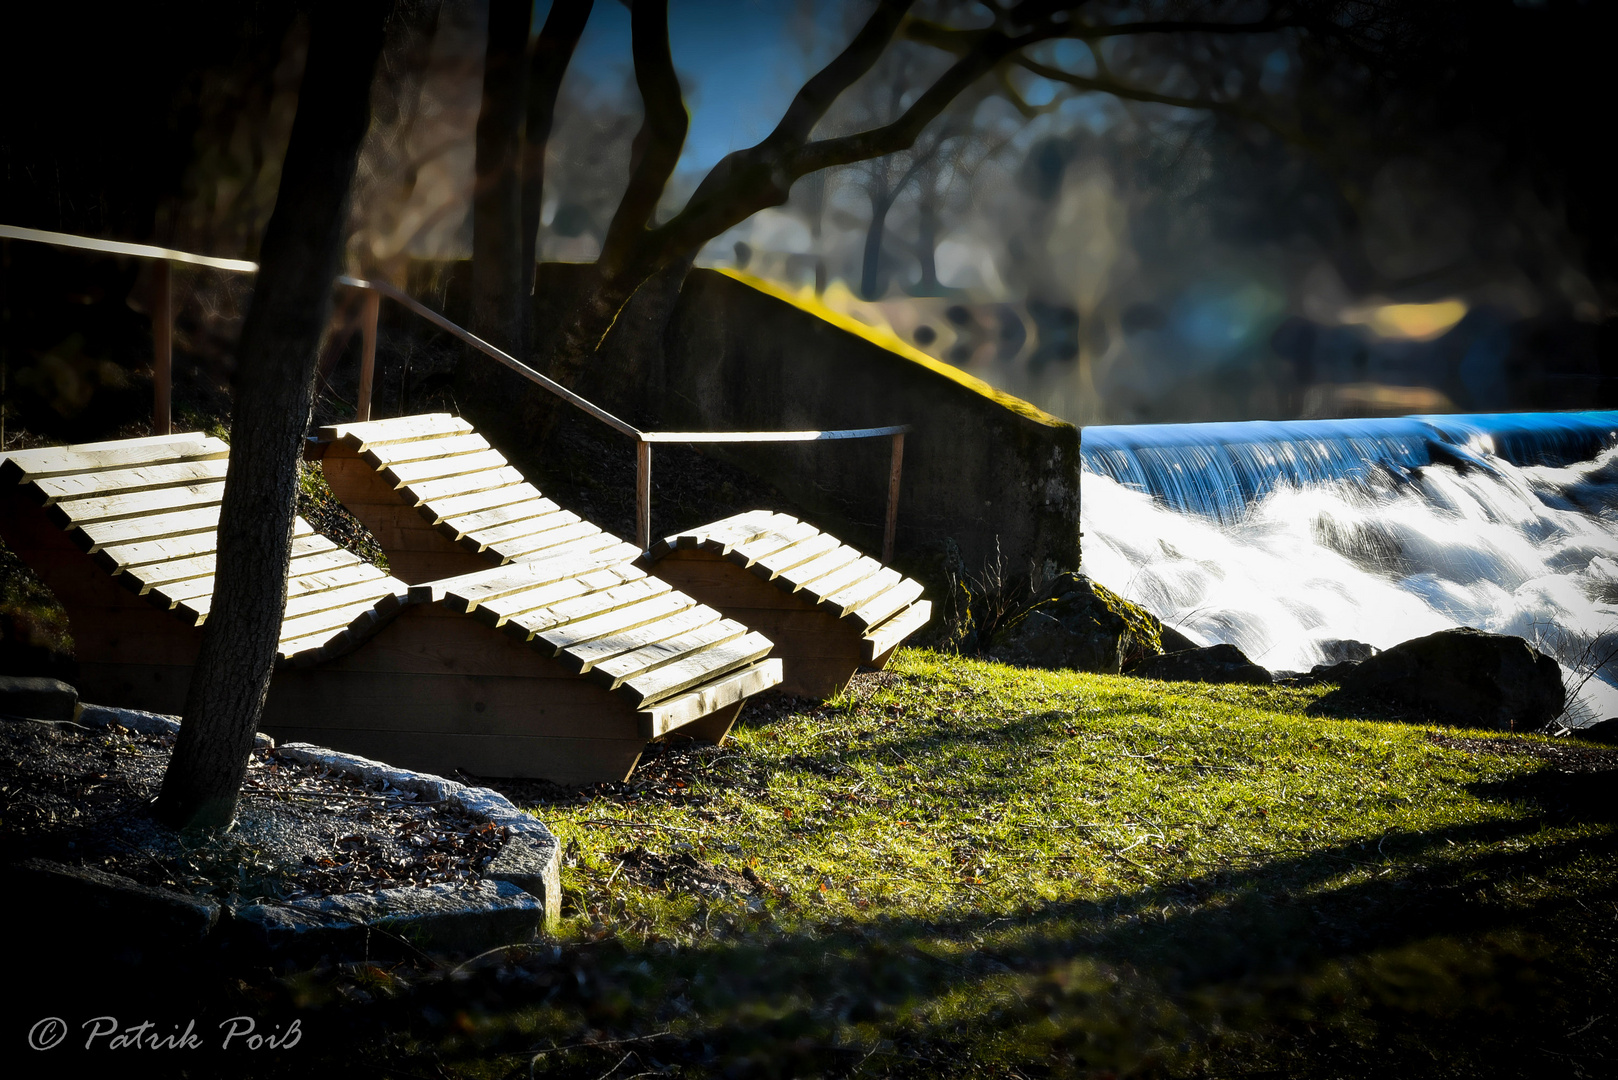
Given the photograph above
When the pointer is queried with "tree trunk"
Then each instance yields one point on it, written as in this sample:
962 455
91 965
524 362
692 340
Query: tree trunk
552 54
274 392
927 243
871 266
580 333
499 287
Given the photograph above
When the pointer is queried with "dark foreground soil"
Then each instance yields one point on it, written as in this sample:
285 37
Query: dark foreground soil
83 797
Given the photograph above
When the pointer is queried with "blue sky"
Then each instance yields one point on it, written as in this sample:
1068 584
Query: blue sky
738 62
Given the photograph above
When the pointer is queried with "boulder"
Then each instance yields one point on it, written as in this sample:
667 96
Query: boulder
1076 623
1174 641
1345 651
1460 678
1213 664
36 698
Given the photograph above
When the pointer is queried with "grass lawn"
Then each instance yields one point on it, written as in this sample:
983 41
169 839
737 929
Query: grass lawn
960 868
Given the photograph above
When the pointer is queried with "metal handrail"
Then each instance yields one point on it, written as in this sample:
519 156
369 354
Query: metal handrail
162 336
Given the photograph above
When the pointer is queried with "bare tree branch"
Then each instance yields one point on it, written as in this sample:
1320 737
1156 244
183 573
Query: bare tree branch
657 146
1095 32
817 95
1134 93
763 175
757 167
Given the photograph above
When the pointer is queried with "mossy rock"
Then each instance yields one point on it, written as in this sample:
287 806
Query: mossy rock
1076 623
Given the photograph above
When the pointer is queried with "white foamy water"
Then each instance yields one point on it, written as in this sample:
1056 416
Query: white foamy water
1382 557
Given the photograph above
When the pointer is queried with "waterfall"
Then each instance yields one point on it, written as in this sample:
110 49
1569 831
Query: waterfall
1286 537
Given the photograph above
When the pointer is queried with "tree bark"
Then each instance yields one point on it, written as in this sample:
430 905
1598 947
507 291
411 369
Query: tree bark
553 51
871 264
498 283
279 348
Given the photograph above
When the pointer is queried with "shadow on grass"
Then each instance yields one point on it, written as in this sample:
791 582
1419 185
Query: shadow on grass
1471 950
1497 963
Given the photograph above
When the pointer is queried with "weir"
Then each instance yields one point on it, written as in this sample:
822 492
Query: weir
1219 470
1286 538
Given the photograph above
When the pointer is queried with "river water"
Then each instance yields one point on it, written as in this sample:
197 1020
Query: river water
1285 537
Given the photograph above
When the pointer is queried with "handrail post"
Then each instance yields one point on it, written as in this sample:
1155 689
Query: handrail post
162 349
373 304
643 494
892 522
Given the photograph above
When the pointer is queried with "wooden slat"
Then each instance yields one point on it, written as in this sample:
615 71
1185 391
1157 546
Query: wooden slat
366 434
306 602
883 606
24 466
534 546
436 446
467 592
750 551
838 580
721 535
626 617
789 558
318 623
133 558
499 613
516 530
439 468
667 681
590 606
471 526
353 571
864 591
160 575
684 622
321 645
615 671
70 512
301 566
886 637
707 699
522 616
601 549
813 570
128 481
430 491
100 534
442 510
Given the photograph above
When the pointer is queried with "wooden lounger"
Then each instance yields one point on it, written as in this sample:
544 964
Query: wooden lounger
440 500
124 534
558 668
828 608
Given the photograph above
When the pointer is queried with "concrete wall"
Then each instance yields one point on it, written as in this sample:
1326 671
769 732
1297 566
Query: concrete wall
728 352
981 466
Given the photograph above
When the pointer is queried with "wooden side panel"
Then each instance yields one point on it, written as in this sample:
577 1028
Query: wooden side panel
416 550
130 651
819 652
440 691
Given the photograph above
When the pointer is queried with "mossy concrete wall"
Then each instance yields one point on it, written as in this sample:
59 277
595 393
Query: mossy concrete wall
725 352
981 468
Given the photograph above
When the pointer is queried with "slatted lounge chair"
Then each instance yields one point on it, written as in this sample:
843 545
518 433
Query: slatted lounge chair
441 501
123 532
828 608
438 496
558 668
